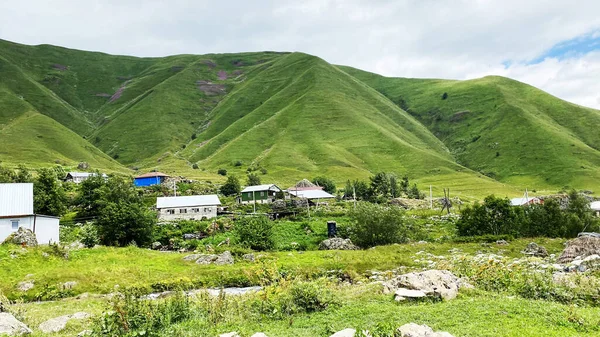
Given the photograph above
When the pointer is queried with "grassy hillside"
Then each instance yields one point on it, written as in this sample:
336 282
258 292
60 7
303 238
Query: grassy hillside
502 128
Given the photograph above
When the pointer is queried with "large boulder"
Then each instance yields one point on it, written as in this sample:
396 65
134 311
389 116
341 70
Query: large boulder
436 283
25 286
22 236
415 330
224 258
337 244
533 249
580 247
11 326
345 333
60 323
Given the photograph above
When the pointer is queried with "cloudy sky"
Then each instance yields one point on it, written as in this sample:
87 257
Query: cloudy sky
551 44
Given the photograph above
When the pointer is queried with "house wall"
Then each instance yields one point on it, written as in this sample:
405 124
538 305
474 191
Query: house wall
189 214
147 181
46 228
259 196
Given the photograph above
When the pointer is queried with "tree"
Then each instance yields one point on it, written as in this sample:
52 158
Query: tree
580 216
380 184
414 193
495 216
545 220
404 184
231 186
22 175
222 172
123 219
88 201
253 179
373 224
327 184
395 190
255 232
49 197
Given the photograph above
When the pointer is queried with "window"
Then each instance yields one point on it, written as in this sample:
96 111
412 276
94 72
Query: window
170 211
195 210
207 210
15 224
262 193
182 210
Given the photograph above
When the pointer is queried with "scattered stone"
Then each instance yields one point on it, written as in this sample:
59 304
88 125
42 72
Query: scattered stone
225 258
533 249
249 257
344 333
337 244
502 243
415 330
156 245
192 257
59 323
206 258
22 236
25 286
230 334
438 283
11 326
69 285
403 294
84 333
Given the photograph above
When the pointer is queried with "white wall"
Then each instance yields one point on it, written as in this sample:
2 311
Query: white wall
204 212
46 228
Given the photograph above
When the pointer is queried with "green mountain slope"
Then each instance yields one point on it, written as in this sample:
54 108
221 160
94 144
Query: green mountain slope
505 129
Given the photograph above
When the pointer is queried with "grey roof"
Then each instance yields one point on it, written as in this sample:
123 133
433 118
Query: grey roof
595 205
267 187
187 201
311 194
84 174
16 199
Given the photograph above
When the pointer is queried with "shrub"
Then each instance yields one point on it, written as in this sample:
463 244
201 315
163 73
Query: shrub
194 136
255 232
327 184
88 235
195 166
495 216
253 179
222 172
311 296
231 186
373 225
263 170
445 95
238 163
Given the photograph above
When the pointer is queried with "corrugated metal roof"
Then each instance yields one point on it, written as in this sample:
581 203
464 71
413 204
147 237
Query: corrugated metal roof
84 174
16 199
523 201
595 205
267 187
311 194
187 201
152 174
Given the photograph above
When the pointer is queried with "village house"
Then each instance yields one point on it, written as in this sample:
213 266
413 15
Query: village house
595 206
16 211
149 179
304 189
194 207
525 201
78 177
262 194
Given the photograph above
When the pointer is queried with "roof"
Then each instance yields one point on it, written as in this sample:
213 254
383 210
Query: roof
151 174
523 201
256 188
16 199
83 174
187 201
311 194
595 205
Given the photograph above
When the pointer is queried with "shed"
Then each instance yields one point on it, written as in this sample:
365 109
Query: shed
16 211
149 179
194 207
78 177
259 194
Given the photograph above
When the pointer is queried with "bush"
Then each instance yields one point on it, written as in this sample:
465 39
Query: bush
327 184
253 179
88 235
238 163
231 186
255 232
373 225
495 216
195 166
222 172
310 296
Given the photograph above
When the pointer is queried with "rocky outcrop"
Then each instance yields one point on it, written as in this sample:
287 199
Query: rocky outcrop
580 248
156 245
60 323
431 283
22 236
337 244
221 259
25 286
225 258
11 326
345 333
533 249
415 330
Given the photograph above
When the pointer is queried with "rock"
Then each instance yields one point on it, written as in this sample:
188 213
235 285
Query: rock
45 255
533 249
591 258
84 333
59 323
225 258
501 243
25 285
344 333
69 285
76 245
157 245
259 334
403 293
190 236
581 247
415 330
192 257
229 334
11 326
337 244
206 258
22 236
83 166
249 257
440 283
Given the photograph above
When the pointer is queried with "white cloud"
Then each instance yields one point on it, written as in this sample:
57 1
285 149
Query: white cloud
411 38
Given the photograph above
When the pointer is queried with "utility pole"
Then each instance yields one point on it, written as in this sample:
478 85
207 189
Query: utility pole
430 197
354 195
174 188
254 201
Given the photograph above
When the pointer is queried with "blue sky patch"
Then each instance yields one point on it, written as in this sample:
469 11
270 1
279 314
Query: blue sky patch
580 45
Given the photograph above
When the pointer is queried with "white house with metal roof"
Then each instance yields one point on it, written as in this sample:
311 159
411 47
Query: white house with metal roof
310 194
595 206
193 207
16 210
78 177
259 194
525 201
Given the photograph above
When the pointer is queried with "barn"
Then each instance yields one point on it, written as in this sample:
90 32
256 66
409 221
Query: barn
16 211
149 179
